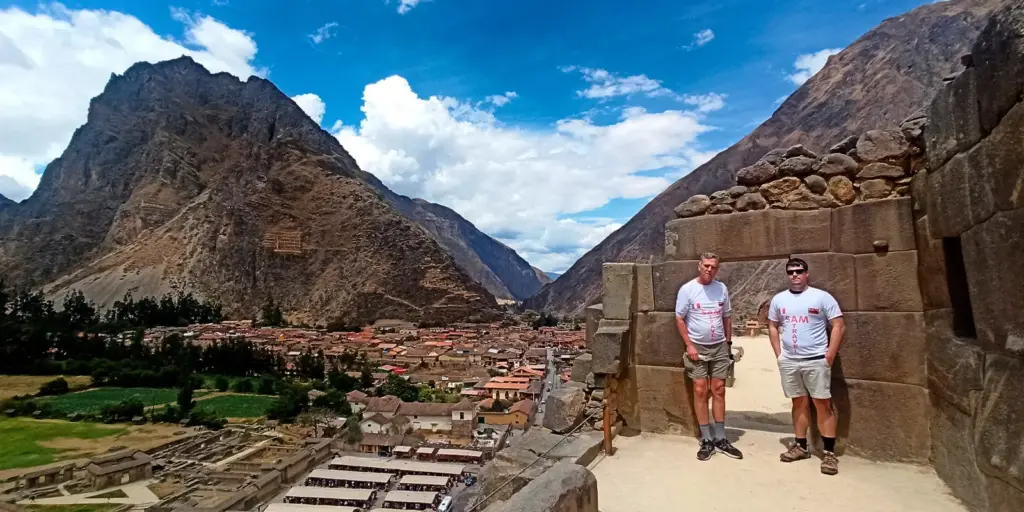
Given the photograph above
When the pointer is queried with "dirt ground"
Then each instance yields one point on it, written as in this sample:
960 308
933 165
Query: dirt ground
11 385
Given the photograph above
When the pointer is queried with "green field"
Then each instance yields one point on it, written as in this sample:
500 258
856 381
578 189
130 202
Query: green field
94 399
237 406
20 439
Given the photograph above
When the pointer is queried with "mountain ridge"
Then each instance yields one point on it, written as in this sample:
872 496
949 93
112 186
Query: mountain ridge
876 82
185 180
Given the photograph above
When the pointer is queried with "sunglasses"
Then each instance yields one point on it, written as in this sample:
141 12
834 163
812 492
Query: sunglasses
795 271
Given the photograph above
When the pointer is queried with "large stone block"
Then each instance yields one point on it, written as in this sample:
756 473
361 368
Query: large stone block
834 273
953 124
992 253
888 282
644 287
665 398
997 57
999 423
667 277
887 347
564 409
610 347
658 342
566 487
1003 497
593 315
955 368
626 397
931 267
959 196
953 456
996 163
619 298
883 421
581 366
749 235
855 228
751 284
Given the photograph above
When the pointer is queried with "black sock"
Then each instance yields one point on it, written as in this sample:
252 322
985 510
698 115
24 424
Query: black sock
802 442
830 443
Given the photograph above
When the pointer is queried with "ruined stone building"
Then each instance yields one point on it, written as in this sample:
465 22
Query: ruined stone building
917 232
119 468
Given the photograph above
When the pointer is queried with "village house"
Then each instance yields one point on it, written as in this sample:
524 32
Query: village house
357 400
518 415
507 388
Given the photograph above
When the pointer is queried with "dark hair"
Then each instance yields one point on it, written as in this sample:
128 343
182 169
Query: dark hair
794 262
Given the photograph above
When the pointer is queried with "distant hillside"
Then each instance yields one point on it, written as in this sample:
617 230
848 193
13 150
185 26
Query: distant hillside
553 275
877 82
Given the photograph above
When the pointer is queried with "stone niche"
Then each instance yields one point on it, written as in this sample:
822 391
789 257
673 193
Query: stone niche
864 254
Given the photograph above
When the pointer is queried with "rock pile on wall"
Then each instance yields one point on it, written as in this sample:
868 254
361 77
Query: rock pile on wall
877 165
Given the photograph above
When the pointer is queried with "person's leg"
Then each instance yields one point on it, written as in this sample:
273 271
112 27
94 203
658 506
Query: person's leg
719 372
698 373
819 383
792 386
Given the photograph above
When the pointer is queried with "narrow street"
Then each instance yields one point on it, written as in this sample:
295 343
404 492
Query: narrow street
551 381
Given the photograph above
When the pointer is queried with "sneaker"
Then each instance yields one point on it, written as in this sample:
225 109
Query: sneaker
724 446
829 464
794 454
707 449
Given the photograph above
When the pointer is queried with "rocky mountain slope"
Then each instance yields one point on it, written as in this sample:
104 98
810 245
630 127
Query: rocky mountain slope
491 263
4 201
879 80
185 180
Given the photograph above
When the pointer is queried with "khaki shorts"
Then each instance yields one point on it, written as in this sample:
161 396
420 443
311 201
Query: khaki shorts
802 378
714 362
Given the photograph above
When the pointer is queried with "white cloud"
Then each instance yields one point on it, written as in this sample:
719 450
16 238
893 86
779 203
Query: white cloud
405 6
54 60
520 184
808 64
312 105
323 33
604 84
500 100
706 102
701 38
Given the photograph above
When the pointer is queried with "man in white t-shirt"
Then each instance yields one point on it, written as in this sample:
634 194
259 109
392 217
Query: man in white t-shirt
704 319
798 327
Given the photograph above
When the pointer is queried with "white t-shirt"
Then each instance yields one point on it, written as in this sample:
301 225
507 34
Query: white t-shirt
703 309
803 321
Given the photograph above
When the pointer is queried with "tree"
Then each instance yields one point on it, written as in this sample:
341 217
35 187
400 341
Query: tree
272 315
221 383
341 381
242 385
317 419
425 395
366 380
403 389
57 386
185 401
353 432
266 386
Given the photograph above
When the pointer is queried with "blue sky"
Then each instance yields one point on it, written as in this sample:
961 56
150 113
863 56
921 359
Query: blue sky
548 124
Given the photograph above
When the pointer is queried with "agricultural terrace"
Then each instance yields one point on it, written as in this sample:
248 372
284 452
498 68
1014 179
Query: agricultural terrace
92 400
237 406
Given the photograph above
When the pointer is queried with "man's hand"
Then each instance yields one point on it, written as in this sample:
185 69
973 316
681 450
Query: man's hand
829 358
691 352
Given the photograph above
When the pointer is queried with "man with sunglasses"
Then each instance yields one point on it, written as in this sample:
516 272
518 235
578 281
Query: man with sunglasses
703 317
798 325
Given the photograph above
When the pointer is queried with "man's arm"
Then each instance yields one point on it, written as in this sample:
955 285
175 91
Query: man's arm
727 324
835 339
773 337
691 351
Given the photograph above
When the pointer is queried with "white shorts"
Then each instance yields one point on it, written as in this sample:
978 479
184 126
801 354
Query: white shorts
802 378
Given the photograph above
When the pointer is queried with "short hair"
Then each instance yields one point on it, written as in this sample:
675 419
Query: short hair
797 262
709 256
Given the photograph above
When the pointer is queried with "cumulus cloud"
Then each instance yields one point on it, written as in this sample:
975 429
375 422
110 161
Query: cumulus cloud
312 105
808 64
323 33
55 59
521 185
605 84
701 38
500 100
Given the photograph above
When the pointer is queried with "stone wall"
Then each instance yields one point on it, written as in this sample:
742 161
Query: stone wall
969 223
864 254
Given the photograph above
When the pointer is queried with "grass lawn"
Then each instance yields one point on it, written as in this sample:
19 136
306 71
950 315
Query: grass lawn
238 406
20 439
93 399
11 385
